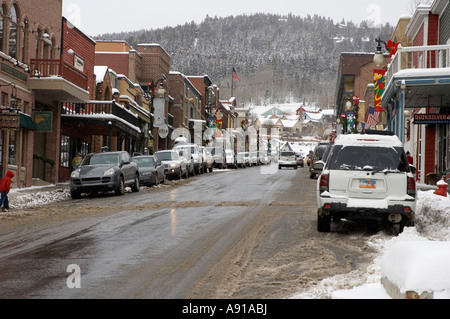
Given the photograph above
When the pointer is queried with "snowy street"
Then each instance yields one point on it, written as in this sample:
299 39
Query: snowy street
362 282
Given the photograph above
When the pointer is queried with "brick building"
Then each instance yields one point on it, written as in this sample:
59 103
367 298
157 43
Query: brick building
147 66
30 97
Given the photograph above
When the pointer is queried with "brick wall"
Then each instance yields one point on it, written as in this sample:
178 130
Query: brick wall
84 48
118 62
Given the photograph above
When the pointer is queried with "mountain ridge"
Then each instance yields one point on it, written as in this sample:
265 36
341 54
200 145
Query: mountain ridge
278 58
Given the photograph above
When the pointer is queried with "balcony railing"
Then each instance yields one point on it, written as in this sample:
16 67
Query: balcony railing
44 68
99 108
423 57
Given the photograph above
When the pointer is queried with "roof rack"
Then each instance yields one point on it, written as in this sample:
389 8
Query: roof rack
376 132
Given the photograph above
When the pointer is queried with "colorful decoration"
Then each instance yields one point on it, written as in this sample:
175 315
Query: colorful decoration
380 86
350 122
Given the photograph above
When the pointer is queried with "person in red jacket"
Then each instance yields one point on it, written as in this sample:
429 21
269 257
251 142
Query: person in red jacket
5 187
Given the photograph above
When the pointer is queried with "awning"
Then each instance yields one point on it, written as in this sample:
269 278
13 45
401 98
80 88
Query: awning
26 122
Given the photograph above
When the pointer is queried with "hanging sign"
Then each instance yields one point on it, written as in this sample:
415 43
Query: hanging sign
159 105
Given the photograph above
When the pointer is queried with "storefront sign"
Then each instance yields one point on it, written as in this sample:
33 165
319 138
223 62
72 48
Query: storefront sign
9 120
43 121
432 119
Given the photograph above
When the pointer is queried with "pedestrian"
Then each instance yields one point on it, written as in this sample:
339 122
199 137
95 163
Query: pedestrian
77 160
410 158
5 187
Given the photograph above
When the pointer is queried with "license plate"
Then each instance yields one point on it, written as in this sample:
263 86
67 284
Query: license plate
367 184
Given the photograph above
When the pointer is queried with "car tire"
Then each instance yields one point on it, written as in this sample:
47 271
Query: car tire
120 190
75 194
323 221
136 186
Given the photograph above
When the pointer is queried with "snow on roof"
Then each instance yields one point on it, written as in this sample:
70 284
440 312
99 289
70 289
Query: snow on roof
289 123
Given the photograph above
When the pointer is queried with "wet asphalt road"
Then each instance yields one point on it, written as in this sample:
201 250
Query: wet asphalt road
184 241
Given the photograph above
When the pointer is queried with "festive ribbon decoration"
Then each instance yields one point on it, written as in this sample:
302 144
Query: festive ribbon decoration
393 47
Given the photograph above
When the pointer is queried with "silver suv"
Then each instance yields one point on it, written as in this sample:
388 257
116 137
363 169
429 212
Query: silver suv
367 178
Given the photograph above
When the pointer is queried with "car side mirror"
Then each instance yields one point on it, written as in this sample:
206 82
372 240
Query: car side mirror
318 166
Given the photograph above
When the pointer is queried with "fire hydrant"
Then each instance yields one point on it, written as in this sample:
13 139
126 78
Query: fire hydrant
442 188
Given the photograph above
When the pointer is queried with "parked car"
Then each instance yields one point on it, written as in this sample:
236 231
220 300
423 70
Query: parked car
102 172
254 159
230 158
195 154
208 160
186 156
151 169
300 159
219 157
367 178
287 159
242 160
317 156
174 164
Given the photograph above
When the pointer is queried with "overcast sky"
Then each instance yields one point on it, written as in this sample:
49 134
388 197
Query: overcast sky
107 16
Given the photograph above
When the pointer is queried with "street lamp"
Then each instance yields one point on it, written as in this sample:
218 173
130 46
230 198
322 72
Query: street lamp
379 59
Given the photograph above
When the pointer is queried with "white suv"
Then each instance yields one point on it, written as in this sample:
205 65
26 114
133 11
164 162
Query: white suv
287 159
367 178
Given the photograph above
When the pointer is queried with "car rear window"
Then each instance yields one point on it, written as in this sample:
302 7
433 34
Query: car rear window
287 154
392 159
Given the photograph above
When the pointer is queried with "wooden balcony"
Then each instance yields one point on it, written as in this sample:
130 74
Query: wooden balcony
46 68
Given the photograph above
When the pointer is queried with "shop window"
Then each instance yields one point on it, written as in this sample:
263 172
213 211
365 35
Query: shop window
12 159
84 148
13 30
65 151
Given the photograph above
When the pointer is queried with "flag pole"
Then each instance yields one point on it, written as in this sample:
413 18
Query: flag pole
232 83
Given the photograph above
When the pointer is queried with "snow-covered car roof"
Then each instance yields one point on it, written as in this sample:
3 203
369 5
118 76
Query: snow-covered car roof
368 140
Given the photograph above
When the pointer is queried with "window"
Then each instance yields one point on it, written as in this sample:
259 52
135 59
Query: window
13 30
65 151
12 159
25 42
360 157
2 27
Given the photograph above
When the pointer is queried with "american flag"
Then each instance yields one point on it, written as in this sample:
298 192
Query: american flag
372 118
235 76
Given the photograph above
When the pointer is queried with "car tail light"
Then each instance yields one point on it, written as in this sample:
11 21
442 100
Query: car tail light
324 182
411 186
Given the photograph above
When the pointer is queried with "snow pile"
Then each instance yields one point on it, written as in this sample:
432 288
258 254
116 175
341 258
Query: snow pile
24 199
418 266
433 216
